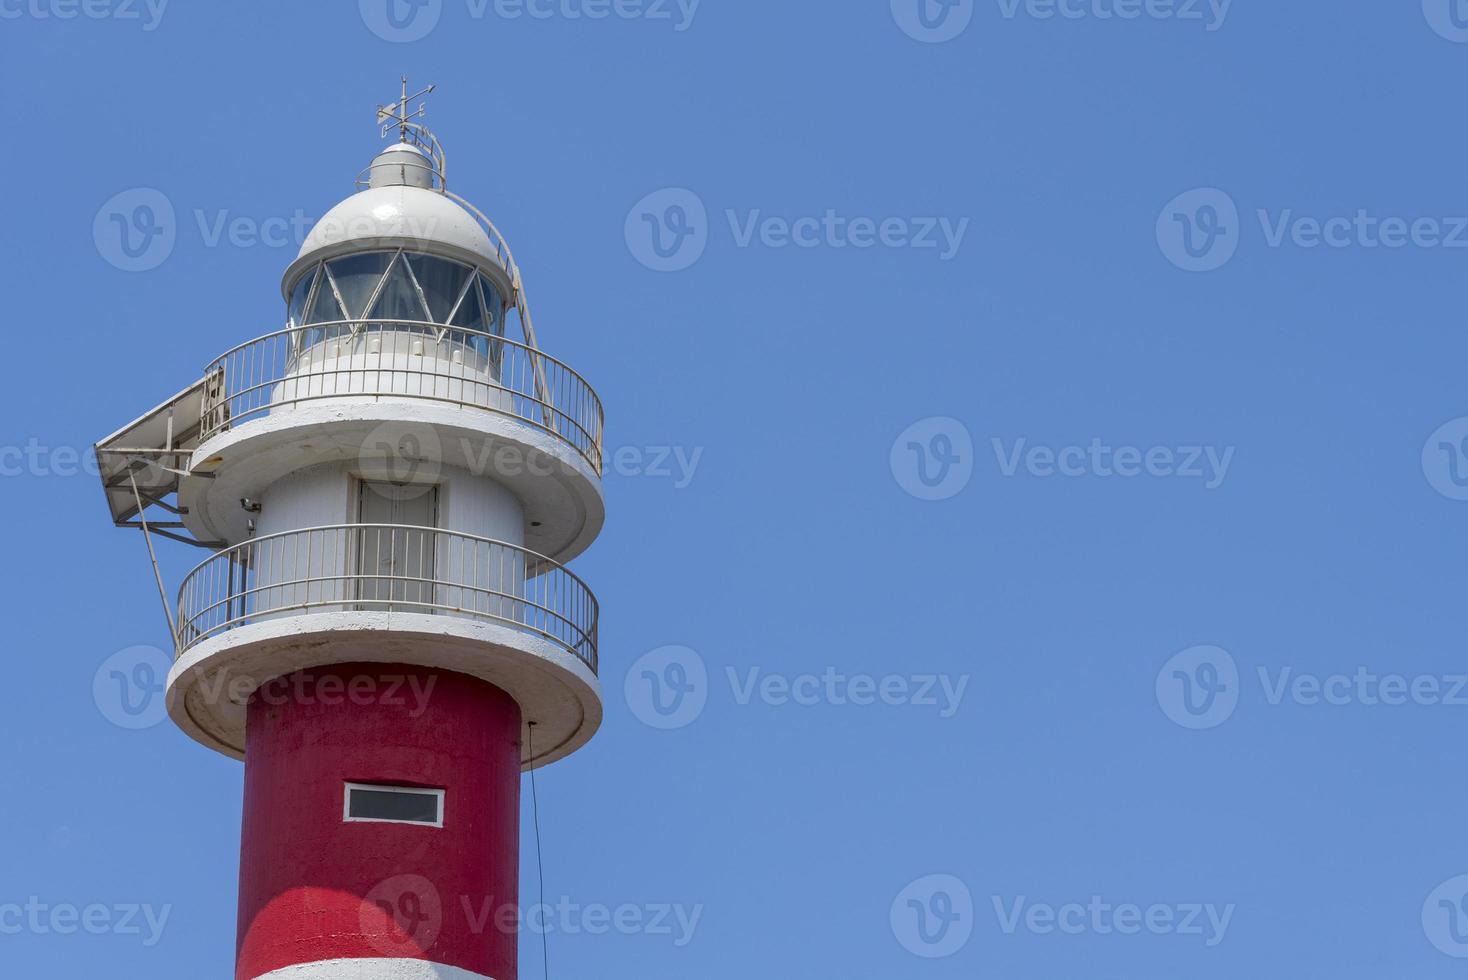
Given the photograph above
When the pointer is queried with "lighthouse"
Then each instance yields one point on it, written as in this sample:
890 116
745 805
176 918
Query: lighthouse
390 485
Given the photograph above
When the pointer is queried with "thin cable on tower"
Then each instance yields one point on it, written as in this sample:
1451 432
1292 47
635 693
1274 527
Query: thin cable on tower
539 861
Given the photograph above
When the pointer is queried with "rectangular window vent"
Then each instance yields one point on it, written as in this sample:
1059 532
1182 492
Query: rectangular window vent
393 804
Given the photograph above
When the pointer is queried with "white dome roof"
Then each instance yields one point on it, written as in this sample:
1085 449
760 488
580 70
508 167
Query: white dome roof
392 216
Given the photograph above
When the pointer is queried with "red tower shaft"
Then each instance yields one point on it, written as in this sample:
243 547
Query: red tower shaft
317 888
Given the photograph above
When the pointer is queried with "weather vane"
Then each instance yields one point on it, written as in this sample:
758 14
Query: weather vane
397 113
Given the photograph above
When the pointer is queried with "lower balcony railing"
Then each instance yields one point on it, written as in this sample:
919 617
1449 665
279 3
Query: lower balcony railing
387 568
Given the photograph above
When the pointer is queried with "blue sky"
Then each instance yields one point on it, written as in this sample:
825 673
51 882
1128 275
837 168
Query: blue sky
1214 247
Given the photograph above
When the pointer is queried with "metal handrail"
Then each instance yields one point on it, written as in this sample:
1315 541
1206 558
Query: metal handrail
391 568
411 359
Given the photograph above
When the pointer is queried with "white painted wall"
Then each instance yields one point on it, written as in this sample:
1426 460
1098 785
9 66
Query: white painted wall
326 494
312 497
372 969
385 361
479 505
317 571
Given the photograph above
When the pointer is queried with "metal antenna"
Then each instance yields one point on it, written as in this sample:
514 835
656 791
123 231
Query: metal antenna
397 113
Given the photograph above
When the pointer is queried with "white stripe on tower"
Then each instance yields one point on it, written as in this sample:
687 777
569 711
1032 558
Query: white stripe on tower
372 969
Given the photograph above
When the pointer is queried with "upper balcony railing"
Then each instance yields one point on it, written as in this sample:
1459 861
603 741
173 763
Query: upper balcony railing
373 359
387 568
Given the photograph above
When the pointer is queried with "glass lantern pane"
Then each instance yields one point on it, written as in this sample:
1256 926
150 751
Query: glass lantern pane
398 299
470 314
357 277
493 307
296 310
325 307
442 281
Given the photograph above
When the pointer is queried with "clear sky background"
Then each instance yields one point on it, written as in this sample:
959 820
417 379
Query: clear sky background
1082 759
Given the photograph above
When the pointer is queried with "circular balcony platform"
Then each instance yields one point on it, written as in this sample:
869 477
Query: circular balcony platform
386 594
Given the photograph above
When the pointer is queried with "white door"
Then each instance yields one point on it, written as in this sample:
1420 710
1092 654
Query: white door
395 562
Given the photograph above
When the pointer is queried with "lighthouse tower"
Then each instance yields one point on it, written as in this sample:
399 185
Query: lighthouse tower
390 487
